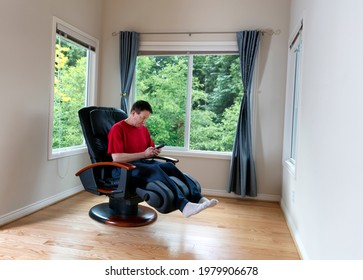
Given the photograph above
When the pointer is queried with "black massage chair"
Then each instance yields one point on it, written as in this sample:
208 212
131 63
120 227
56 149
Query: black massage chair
123 207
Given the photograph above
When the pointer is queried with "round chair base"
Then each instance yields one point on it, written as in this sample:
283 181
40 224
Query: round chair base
104 214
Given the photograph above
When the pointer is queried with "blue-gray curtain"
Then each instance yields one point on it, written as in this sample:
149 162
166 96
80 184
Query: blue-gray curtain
129 47
242 178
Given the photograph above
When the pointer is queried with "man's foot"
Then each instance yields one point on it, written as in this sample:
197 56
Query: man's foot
211 203
194 208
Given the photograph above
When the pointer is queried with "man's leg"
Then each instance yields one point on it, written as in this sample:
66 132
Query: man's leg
195 195
151 171
171 170
147 172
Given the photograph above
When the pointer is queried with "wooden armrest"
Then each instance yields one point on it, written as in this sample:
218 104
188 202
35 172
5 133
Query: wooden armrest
124 165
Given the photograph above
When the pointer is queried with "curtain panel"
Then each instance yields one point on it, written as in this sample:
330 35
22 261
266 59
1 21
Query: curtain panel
242 178
129 47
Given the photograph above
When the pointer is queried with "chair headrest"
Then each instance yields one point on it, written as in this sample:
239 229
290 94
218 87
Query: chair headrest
102 119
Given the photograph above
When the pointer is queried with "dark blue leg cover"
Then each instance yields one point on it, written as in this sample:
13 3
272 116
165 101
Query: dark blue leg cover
149 171
171 170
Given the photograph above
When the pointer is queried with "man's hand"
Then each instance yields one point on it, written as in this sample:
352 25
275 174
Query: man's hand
151 152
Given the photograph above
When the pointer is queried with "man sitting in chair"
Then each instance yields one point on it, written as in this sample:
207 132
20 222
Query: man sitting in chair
129 141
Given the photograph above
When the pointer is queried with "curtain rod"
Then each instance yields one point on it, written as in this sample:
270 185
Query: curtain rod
265 31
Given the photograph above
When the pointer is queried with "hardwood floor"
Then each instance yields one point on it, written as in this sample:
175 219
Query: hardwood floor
233 230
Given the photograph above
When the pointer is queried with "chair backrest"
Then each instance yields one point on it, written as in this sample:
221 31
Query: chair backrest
96 122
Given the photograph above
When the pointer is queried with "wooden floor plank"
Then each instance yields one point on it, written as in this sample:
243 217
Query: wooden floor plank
234 229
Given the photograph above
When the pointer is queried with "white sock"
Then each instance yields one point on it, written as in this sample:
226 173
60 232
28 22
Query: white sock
193 208
211 203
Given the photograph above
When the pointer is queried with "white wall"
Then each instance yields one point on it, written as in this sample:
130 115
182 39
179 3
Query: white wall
28 180
213 15
327 213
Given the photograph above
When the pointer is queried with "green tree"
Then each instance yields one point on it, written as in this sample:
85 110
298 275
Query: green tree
162 82
216 96
218 77
69 94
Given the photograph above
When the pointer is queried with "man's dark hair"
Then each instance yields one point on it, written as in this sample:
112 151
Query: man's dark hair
140 106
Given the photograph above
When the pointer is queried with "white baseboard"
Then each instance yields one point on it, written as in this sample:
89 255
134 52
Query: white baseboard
294 232
17 214
221 193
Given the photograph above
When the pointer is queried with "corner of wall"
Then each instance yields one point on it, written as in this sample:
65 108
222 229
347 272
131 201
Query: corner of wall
294 231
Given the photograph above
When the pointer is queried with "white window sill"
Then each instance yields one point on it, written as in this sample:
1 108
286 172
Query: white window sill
60 153
196 154
165 152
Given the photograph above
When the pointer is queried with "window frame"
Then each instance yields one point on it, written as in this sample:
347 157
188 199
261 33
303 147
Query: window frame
79 37
293 99
189 48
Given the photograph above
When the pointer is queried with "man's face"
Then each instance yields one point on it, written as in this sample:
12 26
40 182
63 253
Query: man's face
139 119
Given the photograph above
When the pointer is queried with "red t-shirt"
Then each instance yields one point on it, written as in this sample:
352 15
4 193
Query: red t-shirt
125 138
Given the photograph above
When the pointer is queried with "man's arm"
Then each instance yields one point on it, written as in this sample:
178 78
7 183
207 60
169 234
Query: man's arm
125 157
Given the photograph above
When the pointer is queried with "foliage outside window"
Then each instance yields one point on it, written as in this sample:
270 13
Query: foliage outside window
69 93
195 99
73 81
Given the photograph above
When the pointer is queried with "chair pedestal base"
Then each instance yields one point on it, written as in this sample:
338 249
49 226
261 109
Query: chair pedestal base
103 213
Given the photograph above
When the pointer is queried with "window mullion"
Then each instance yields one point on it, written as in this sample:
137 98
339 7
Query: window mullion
188 103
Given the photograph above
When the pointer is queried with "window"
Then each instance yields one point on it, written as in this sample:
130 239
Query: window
296 93
195 99
73 87
293 95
